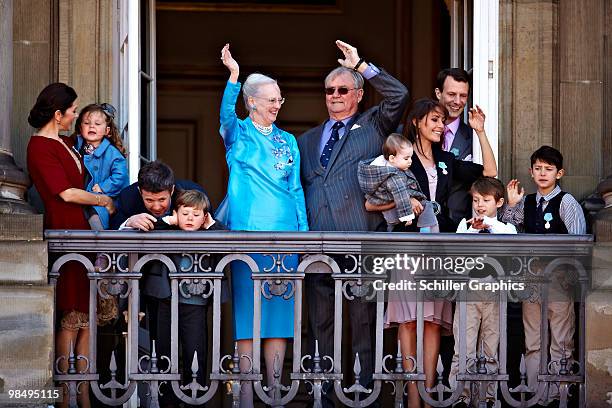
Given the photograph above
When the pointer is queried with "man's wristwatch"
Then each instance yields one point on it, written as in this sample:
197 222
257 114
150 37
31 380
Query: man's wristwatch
361 61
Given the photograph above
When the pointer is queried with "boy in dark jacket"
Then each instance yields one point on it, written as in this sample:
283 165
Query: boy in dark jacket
191 214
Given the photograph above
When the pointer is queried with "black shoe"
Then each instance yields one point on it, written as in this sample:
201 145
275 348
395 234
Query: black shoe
461 404
490 404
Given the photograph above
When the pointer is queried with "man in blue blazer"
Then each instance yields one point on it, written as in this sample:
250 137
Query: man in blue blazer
330 154
453 89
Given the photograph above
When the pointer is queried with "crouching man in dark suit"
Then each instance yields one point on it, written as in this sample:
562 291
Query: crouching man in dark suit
334 202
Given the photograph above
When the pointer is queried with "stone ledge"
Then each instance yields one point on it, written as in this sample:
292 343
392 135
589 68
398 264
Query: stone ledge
21 227
26 337
602 266
23 262
598 347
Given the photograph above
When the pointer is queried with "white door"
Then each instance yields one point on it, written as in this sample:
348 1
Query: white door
136 84
486 67
475 48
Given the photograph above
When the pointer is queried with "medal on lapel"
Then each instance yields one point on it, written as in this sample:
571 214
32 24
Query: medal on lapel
442 165
548 218
455 151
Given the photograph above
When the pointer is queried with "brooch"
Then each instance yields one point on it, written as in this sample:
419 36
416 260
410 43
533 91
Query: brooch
548 218
442 165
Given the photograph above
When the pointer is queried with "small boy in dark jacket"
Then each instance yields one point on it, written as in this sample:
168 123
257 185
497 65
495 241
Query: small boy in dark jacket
191 214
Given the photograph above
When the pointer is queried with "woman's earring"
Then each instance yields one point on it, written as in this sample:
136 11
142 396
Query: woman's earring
253 108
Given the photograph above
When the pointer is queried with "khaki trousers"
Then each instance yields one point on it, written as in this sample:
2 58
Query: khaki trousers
561 318
483 318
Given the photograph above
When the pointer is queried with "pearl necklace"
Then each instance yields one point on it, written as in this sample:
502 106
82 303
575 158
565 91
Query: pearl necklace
265 130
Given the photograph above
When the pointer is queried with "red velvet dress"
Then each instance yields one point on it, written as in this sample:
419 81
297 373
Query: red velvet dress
53 170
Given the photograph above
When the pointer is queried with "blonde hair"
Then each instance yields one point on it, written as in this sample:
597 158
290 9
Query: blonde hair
194 199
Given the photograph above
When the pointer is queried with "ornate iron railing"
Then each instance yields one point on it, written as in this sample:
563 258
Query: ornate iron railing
129 252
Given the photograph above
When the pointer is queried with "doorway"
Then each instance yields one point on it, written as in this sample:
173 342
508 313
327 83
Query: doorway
409 38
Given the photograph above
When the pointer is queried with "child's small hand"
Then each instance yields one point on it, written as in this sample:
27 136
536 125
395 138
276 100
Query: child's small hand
408 223
477 223
208 221
417 207
515 192
96 189
172 219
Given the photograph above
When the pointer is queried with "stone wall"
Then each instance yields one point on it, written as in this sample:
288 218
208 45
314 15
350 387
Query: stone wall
85 44
34 65
27 312
553 67
59 40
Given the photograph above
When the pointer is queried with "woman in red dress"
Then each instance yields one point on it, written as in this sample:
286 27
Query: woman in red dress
59 174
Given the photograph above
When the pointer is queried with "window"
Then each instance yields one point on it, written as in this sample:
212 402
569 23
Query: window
474 47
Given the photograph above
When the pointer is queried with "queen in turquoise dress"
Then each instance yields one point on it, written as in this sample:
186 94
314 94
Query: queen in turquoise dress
264 193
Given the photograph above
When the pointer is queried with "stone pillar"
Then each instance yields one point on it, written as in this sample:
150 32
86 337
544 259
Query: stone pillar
26 312
85 54
599 308
528 74
580 104
13 182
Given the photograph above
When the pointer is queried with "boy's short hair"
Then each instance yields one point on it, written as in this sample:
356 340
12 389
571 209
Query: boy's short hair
393 143
488 186
549 155
156 177
193 198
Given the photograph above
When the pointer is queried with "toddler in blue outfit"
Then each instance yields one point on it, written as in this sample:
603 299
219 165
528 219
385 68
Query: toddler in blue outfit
98 140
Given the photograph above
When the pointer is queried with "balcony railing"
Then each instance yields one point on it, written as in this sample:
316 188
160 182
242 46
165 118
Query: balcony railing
511 256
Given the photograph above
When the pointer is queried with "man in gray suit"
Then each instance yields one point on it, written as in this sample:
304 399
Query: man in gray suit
453 88
330 154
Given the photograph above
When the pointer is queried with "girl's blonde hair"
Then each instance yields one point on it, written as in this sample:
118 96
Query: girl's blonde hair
108 112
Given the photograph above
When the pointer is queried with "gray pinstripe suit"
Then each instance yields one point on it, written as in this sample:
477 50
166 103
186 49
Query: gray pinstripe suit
334 202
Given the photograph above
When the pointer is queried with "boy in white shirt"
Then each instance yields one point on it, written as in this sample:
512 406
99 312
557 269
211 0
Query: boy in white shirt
482 316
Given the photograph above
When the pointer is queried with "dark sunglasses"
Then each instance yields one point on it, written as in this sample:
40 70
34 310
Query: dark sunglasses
342 90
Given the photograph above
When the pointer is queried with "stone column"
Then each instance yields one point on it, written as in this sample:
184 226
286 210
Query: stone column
528 78
599 307
13 182
85 55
